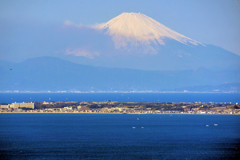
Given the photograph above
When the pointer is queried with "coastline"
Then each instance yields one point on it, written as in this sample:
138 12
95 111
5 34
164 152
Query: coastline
82 92
112 113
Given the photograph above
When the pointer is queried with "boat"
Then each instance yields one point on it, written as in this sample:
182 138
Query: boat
207 125
133 127
215 124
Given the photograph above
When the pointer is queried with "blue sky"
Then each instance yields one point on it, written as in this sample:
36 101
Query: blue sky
214 22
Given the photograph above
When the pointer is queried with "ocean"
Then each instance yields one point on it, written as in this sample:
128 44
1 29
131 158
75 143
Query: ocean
118 136
122 97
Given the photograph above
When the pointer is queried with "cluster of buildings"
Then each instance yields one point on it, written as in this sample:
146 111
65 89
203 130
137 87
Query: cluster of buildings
121 108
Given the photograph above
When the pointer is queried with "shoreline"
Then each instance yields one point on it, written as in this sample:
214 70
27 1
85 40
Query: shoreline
113 113
122 92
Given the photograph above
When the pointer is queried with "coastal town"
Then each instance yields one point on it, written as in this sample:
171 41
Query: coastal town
116 107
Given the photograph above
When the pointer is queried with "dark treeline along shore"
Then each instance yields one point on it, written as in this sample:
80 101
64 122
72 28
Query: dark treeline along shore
121 107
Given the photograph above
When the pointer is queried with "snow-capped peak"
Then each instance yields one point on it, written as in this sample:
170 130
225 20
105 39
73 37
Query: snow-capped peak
137 28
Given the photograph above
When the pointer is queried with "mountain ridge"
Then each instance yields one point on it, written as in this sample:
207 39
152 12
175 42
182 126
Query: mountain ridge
54 74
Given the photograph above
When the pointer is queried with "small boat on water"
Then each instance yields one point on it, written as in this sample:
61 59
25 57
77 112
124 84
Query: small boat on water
142 127
215 124
133 127
207 125
137 118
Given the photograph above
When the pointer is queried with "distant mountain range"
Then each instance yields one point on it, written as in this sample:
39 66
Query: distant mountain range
131 52
54 74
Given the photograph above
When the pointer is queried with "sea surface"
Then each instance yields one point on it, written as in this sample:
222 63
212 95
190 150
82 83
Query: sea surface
113 136
123 97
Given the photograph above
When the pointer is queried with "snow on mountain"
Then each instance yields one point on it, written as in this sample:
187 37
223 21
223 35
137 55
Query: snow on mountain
135 29
133 40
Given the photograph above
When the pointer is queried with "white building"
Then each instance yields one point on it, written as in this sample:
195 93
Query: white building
5 106
23 105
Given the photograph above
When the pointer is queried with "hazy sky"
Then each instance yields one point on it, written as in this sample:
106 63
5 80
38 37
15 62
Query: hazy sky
214 22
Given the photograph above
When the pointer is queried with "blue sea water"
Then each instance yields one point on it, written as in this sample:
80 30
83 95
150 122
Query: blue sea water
112 136
124 97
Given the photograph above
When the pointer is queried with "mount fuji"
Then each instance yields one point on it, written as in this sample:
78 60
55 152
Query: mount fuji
136 41
138 29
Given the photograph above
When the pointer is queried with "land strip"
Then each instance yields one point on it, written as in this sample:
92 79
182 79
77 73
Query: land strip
115 107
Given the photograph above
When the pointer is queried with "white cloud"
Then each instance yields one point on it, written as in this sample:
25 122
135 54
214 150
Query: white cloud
69 23
81 52
95 26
